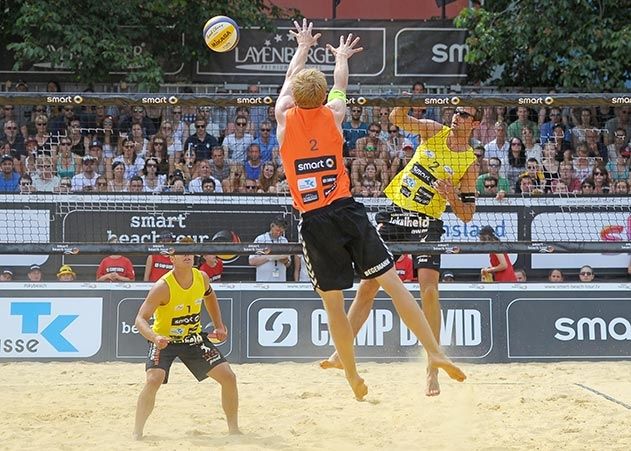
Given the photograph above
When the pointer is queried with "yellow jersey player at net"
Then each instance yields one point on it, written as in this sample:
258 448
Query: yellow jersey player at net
175 301
442 171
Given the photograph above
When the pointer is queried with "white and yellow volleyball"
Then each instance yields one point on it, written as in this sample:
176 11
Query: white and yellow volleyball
221 34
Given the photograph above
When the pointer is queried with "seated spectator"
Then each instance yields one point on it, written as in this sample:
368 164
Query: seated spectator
237 143
118 184
485 132
219 168
158 152
566 175
586 274
115 268
583 162
448 277
201 142
556 276
34 273
353 129
618 167
526 185
268 178
600 178
68 164
9 179
26 184
619 142
620 187
235 183
251 186
515 128
86 179
560 187
595 146
516 159
133 164
499 147
369 185
535 173
494 169
365 155
65 186
208 185
203 172
136 185
549 165
267 141
66 274
6 275
587 187
177 186
101 184
212 266
44 180
152 181
533 148
253 162
400 162
520 274
405 268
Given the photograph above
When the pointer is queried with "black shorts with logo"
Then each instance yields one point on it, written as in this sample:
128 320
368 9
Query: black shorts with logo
337 238
409 226
199 355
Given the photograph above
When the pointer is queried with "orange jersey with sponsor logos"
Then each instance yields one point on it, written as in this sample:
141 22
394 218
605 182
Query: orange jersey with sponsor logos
312 158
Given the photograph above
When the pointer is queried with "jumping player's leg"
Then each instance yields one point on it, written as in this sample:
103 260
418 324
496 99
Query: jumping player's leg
223 374
147 400
342 334
428 281
415 320
357 316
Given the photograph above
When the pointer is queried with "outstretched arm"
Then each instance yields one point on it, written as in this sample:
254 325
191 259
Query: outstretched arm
342 53
425 128
305 40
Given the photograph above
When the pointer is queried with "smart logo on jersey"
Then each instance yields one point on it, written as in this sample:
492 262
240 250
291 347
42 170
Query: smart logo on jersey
423 174
318 164
45 327
278 327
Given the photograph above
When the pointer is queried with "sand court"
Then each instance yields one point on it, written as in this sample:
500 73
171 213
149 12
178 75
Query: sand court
569 405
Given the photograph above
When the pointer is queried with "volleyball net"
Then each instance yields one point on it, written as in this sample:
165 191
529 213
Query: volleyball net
552 172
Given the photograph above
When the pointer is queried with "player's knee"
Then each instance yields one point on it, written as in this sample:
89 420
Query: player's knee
429 294
155 379
228 377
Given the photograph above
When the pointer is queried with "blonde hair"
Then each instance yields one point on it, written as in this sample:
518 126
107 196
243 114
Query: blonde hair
309 88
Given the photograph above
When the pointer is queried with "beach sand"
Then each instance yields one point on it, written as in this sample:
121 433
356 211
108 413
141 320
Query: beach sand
291 406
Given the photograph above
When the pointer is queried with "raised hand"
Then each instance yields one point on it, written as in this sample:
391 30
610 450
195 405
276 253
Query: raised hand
347 47
304 33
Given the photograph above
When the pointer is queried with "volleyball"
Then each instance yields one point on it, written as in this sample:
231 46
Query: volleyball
221 34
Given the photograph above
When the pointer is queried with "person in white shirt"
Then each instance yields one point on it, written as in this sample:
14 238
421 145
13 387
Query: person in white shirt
271 268
86 179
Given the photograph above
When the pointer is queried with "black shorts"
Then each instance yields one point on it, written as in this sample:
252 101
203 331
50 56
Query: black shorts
337 238
199 357
409 226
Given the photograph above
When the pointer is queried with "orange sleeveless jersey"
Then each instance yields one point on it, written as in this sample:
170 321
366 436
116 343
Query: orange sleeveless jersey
312 158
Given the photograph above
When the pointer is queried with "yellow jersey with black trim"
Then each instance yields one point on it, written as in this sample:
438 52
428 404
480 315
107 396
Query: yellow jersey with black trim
433 160
181 317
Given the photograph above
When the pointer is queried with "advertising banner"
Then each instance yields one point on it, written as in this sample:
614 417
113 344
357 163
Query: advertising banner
50 327
577 327
282 328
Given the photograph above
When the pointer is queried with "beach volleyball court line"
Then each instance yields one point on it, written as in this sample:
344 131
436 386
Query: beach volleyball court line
607 397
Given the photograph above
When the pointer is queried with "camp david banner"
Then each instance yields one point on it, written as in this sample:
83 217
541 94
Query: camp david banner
280 328
394 52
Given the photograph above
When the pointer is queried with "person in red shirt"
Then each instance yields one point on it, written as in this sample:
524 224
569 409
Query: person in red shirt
212 266
115 268
405 267
158 265
501 269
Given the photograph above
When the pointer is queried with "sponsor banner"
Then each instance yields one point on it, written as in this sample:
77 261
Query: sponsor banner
50 327
286 328
131 345
592 226
576 327
430 53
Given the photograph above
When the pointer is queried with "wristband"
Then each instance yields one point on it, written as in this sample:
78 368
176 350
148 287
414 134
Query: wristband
336 94
467 198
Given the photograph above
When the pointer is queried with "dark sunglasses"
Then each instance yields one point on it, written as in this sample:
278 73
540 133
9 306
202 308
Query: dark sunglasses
374 130
200 126
393 131
489 186
41 123
102 184
241 124
586 273
250 187
266 129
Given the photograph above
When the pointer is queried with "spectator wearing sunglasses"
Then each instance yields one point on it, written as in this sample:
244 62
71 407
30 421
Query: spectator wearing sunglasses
236 144
138 116
267 142
586 274
201 142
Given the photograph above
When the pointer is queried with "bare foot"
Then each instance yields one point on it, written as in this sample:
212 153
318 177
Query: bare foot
433 387
137 436
442 362
359 388
235 431
331 362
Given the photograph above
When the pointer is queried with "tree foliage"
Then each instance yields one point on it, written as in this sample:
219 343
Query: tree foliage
582 45
94 37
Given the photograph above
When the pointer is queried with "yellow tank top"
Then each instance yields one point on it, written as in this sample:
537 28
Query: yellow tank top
433 160
181 316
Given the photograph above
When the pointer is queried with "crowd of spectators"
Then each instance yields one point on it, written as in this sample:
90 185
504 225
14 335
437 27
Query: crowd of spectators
205 149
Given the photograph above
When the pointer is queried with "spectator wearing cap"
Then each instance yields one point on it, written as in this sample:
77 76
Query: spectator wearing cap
271 268
66 274
6 275
96 150
115 268
9 178
399 162
448 277
158 265
34 273
86 179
